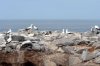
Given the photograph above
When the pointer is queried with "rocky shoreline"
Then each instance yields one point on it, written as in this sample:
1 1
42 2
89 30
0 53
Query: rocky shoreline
31 47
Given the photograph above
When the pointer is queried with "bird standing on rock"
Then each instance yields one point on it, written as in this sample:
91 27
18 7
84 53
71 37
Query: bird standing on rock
63 31
36 28
30 27
97 27
67 31
9 32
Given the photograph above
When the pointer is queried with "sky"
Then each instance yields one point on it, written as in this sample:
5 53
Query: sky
50 9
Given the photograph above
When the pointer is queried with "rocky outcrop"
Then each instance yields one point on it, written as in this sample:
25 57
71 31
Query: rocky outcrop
50 49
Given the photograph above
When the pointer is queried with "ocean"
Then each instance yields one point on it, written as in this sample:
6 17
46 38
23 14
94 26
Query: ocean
71 25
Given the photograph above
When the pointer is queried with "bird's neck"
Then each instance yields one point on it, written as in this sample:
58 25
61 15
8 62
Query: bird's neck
63 30
66 30
31 26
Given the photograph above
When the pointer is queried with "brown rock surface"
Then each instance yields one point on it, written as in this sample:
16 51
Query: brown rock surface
32 58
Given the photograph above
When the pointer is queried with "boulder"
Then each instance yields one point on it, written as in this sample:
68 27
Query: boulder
97 60
16 38
68 49
60 59
96 45
38 47
86 55
63 42
74 60
49 63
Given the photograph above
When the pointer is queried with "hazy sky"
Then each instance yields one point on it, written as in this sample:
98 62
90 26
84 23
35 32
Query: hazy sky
50 9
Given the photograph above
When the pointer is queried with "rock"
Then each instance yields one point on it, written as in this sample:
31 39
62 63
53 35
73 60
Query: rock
86 55
52 47
8 49
82 42
88 34
97 54
80 51
38 47
49 63
60 59
86 64
74 60
96 45
79 48
16 38
26 45
48 38
31 35
32 38
60 50
48 32
68 49
63 42
2 40
94 38
97 60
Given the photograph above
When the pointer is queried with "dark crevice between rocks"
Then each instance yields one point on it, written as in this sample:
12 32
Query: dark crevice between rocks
28 64
23 64
5 64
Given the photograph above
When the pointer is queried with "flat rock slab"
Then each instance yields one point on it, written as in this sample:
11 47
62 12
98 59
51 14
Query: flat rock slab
58 58
74 60
97 60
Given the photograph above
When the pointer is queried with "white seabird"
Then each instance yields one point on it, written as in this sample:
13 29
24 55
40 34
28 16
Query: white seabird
9 32
95 29
36 28
92 29
67 31
26 29
30 27
96 26
63 31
